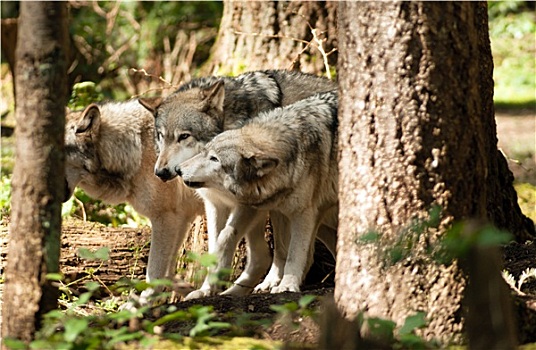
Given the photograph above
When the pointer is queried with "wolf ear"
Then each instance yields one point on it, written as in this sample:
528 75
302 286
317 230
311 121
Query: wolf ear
262 165
214 96
90 120
151 103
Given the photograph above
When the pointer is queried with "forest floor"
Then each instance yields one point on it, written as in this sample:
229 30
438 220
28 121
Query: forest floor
517 139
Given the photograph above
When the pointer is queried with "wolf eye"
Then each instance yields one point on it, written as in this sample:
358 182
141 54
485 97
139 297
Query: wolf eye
213 159
183 137
159 136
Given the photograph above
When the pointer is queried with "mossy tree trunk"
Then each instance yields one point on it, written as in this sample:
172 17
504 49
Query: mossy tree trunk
417 130
38 175
274 34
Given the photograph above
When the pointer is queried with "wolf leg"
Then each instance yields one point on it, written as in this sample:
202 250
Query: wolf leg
281 237
168 234
217 215
303 228
258 258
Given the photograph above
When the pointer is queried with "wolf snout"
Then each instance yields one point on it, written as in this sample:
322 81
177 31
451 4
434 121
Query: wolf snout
178 171
164 174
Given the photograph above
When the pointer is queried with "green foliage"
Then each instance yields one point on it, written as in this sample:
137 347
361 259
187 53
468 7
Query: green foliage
82 205
209 262
5 195
83 94
405 243
526 198
512 29
405 337
459 241
100 254
205 325
115 36
292 310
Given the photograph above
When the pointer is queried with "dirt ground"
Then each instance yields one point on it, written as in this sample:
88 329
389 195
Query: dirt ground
517 139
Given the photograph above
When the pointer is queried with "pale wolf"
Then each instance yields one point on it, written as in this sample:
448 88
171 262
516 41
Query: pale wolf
110 154
285 161
198 111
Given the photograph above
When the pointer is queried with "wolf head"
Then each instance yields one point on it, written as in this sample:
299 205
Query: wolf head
184 122
229 163
81 133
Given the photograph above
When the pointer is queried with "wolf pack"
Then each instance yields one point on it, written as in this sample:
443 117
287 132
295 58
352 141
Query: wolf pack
236 149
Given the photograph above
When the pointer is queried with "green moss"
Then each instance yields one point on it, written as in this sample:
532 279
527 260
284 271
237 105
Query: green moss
218 343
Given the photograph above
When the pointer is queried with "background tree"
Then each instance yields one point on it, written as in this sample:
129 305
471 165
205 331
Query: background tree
417 130
38 175
274 34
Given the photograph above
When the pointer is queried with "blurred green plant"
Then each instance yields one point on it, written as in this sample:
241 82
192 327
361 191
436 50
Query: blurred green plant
512 26
83 94
5 195
84 207
112 37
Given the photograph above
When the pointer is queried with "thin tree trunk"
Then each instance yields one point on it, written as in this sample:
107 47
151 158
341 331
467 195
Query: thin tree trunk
416 130
38 175
274 34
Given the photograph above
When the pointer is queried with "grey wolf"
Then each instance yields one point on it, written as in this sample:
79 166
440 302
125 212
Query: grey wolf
284 161
110 154
203 108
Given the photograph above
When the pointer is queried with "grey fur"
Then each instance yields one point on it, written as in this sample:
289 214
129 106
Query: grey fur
283 161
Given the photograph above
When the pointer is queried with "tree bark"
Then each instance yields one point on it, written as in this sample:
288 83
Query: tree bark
38 175
274 34
416 130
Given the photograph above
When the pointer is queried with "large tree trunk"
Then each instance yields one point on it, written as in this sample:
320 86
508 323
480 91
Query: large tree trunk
416 130
274 34
38 175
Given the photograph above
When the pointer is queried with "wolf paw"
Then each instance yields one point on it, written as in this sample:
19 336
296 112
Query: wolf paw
288 284
267 285
238 290
200 293
136 302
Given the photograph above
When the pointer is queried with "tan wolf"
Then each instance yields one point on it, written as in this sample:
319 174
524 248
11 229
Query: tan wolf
284 161
110 154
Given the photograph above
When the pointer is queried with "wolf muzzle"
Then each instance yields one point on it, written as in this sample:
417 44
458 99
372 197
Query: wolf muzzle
164 174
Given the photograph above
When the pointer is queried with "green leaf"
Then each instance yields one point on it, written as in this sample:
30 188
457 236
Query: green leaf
491 236
86 254
180 315
306 300
92 285
369 237
83 299
100 254
413 322
380 328
208 260
74 327
412 341
14 344
54 276
103 253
